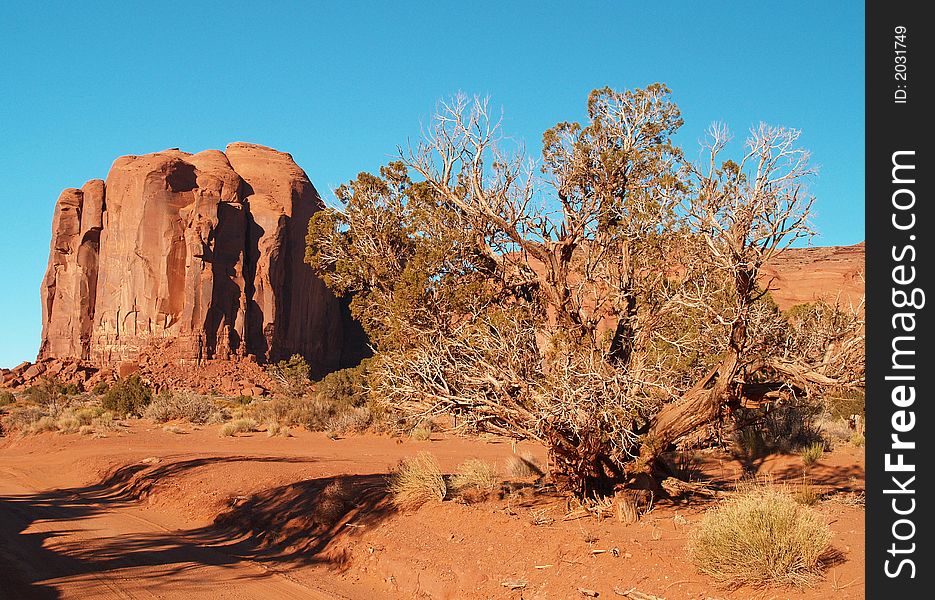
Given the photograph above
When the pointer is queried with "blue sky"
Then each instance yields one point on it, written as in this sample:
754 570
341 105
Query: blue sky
340 84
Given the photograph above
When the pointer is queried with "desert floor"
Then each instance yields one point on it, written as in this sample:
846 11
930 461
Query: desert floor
150 513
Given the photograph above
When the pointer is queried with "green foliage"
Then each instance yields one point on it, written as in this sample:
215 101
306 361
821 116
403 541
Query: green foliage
347 387
100 388
128 396
6 398
812 453
407 259
49 394
844 403
292 375
486 290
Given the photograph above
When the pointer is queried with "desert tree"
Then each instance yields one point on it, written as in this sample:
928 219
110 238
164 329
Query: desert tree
604 301
746 211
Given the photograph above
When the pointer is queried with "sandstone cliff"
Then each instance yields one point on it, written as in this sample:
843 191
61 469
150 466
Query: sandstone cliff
198 256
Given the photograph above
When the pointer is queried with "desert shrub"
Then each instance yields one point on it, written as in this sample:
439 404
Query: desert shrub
49 394
105 421
421 434
417 480
292 375
784 428
806 493
128 397
812 453
6 398
844 403
760 537
100 388
86 430
42 424
67 424
237 426
187 406
312 413
274 429
86 414
685 465
476 479
20 418
350 419
523 466
858 440
345 388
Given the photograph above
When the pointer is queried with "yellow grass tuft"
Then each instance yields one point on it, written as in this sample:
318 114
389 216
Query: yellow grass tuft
237 426
274 428
762 536
812 453
476 479
523 467
421 434
418 480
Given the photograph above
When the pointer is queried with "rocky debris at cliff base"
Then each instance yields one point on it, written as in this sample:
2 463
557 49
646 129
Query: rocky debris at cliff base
221 377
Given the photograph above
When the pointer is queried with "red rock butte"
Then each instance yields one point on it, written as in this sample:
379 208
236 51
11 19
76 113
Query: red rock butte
200 256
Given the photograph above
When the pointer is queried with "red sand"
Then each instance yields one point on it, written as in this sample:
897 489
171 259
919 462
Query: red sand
145 513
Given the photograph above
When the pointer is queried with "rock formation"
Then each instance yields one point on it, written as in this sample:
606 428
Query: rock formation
198 256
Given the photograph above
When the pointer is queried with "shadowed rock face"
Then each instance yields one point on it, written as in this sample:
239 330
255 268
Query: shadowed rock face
202 253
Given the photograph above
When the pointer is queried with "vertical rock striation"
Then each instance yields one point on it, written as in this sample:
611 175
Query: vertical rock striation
201 256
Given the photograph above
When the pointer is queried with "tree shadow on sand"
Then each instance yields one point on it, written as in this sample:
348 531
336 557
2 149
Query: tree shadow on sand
293 524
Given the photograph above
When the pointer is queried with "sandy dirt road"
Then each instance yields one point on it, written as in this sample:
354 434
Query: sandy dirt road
147 512
62 544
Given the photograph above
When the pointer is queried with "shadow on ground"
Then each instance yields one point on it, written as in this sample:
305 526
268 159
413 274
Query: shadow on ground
292 524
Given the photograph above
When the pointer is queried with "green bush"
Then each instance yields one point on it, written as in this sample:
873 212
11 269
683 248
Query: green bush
292 375
48 393
345 388
6 398
128 397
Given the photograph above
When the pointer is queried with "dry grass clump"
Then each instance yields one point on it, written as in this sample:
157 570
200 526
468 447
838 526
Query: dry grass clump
7 398
238 426
417 480
67 424
275 428
42 424
523 467
185 406
806 494
857 439
422 433
354 419
812 453
761 537
475 480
